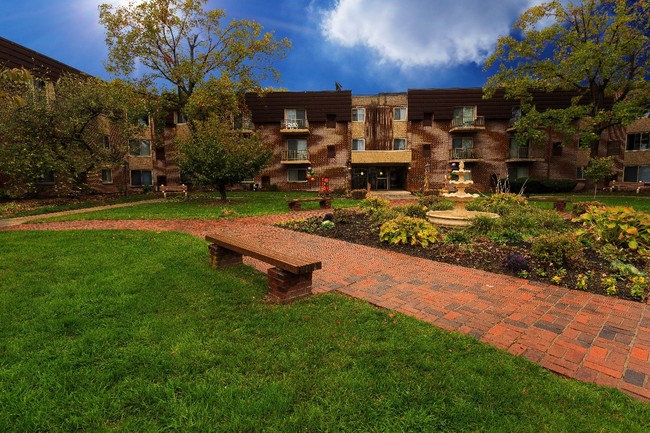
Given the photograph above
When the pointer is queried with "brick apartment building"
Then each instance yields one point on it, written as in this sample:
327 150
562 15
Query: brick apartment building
389 141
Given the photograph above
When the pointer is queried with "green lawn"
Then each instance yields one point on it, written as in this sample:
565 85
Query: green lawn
639 203
206 206
133 331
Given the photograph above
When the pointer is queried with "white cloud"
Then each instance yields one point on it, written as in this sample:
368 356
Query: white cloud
422 32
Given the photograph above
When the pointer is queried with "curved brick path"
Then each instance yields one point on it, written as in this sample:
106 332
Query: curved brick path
579 335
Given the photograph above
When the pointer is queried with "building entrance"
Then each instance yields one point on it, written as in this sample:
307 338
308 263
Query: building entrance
380 178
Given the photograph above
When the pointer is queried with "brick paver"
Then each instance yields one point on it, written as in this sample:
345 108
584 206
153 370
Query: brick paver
579 335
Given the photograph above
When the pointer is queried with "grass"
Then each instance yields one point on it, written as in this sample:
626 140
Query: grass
133 331
205 206
639 203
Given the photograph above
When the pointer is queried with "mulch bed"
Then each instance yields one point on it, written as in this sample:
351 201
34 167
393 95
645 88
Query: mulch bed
481 253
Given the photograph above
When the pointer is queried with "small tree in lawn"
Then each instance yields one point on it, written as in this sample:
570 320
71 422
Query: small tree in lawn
599 169
216 155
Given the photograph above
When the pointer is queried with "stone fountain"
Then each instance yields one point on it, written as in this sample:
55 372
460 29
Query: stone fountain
458 216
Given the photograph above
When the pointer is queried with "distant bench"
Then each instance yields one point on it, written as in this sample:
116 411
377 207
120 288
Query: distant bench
559 204
290 276
323 202
169 189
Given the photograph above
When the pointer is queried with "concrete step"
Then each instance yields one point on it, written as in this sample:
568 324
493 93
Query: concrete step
394 195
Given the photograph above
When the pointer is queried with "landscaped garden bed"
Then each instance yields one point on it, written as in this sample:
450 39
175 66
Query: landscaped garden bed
598 249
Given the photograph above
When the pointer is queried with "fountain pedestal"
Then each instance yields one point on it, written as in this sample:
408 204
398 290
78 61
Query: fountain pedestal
459 215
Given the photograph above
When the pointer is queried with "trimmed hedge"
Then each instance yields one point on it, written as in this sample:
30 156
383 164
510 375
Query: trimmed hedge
542 186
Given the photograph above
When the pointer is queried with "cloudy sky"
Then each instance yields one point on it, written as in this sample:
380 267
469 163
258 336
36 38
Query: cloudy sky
369 46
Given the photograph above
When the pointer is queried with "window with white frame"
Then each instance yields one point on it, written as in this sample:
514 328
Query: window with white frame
358 144
638 141
358 114
295 118
143 120
637 173
399 113
140 147
462 148
107 175
464 114
297 149
399 144
297 175
141 177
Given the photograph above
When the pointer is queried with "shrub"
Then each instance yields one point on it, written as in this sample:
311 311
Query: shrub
502 204
639 287
358 194
457 237
373 203
558 185
542 186
343 215
327 224
558 249
516 263
619 226
581 207
408 230
413 210
432 202
383 214
482 225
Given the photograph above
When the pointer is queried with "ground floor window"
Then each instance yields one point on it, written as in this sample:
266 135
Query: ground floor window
358 144
638 173
107 175
297 175
379 178
399 144
580 173
518 172
141 177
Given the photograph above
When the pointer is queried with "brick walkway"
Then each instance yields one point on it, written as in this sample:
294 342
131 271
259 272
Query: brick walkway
579 335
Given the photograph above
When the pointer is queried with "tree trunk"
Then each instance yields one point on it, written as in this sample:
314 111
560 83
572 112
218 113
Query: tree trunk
222 191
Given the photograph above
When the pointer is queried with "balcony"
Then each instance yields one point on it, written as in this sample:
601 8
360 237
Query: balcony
381 157
467 154
294 126
524 153
465 124
295 157
511 124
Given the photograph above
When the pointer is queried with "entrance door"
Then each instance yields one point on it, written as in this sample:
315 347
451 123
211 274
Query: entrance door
380 178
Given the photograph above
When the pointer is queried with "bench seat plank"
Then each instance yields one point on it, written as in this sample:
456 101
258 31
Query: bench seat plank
290 263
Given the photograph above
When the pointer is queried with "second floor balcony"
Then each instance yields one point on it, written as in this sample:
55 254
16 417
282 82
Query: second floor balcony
524 153
295 157
467 124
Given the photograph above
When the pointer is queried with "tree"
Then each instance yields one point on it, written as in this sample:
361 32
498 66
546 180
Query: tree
599 50
179 42
61 131
599 169
13 84
216 155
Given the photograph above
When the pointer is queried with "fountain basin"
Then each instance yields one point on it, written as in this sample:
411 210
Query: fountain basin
457 217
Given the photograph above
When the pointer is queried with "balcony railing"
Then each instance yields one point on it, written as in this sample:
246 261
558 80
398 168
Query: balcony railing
464 154
298 125
467 124
295 156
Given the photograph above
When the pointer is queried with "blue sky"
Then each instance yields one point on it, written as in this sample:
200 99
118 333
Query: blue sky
369 46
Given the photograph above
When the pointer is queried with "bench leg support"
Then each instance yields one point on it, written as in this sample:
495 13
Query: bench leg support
294 206
325 204
221 257
285 287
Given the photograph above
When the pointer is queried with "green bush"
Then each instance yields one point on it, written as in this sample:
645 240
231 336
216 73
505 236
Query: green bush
408 230
622 227
502 203
483 225
432 202
383 214
413 210
343 215
558 185
557 249
580 207
373 203
542 186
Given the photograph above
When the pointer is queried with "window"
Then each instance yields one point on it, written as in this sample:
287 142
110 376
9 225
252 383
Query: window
106 141
516 113
242 122
297 150
640 141
426 150
358 144
518 150
464 115
557 148
428 119
358 114
331 151
141 177
580 173
399 144
46 178
640 173
517 172
331 121
140 147
179 117
462 148
399 113
160 153
107 175
295 119
143 120
297 175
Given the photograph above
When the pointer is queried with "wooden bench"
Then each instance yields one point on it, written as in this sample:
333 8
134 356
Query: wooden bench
290 277
323 202
559 204
169 189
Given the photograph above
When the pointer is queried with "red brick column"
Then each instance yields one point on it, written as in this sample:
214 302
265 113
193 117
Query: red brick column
284 287
221 257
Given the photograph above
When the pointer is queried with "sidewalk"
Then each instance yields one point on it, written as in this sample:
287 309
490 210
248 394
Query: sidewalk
578 335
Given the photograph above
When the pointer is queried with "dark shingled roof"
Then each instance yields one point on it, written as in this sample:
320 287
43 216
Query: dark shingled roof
13 55
270 107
